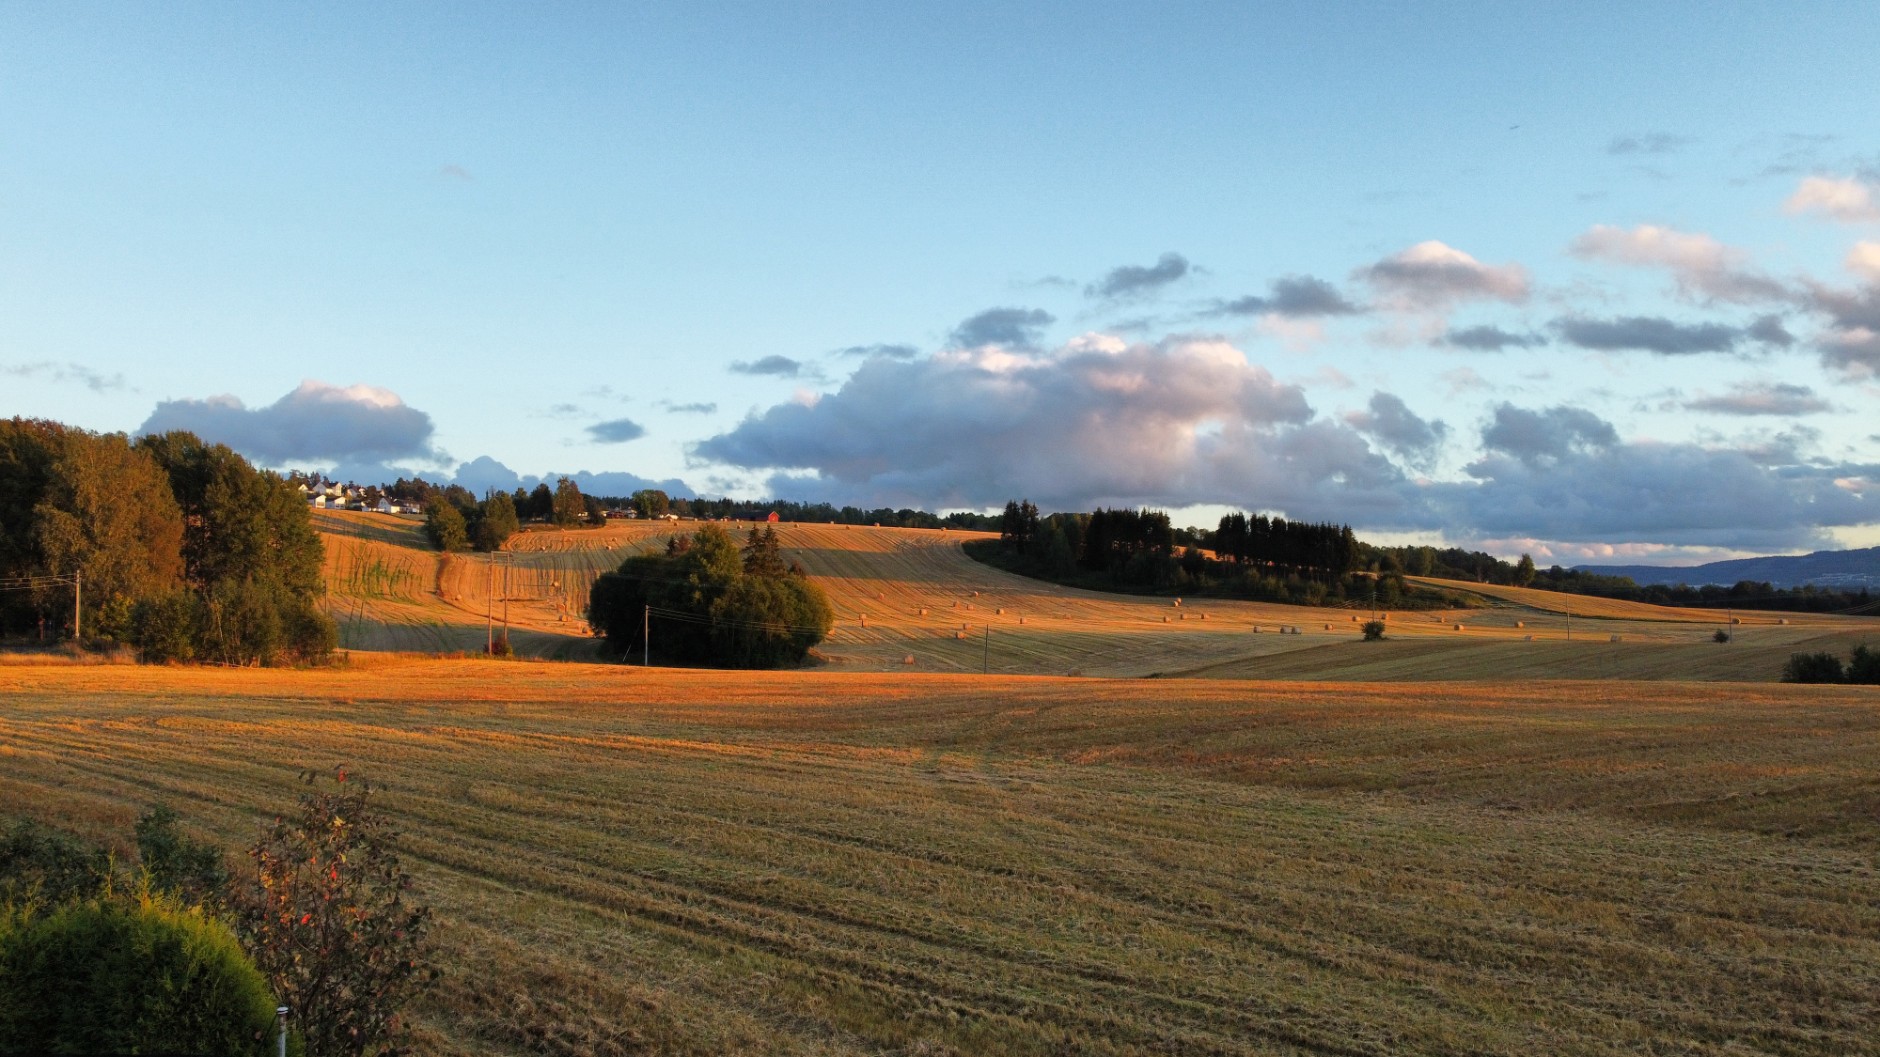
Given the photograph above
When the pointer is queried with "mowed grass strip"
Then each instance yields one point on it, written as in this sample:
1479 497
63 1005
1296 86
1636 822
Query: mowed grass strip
631 862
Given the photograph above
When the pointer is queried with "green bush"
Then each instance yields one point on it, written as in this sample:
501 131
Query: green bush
40 864
1822 667
1373 630
105 976
1864 666
1720 636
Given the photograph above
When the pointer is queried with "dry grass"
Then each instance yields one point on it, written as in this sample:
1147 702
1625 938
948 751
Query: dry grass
705 863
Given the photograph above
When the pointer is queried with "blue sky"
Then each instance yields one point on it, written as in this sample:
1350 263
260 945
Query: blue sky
1585 280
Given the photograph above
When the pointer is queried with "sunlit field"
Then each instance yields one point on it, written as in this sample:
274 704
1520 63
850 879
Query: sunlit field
632 861
910 600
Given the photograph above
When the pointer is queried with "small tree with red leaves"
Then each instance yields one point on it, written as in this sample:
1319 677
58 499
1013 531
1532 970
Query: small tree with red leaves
327 920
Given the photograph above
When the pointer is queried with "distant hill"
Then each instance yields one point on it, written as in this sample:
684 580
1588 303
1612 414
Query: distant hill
1845 570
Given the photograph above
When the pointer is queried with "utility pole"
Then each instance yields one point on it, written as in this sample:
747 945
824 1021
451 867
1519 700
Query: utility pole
646 637
489 608
78 608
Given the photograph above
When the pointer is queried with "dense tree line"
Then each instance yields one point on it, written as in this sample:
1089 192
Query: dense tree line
710 603
1314 549
185 550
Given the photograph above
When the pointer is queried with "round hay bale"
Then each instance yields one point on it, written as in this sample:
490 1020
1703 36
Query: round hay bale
864 620
1530 638
1328 627
1783 620
1617 638
909 659
1736 620
999 611
923 611
1184 616
1520 623
1459 627
1178 603
959 634
1164 620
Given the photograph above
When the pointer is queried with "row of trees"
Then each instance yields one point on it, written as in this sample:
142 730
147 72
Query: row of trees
705 602
184 549
1862 668
454 519
1321 549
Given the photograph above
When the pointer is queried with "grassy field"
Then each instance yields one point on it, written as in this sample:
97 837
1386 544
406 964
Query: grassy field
911 600
630 861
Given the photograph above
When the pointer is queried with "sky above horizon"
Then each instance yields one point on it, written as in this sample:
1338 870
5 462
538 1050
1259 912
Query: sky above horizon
1592 282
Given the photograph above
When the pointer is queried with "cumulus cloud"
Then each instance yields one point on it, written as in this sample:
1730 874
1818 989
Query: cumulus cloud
1539 437
1003 326
317 421
1649 334
1864 260
1572 481
1431 275
1293 296
1390 422
1854 351
1647 143
1099 421
893 352
1762 398
1846 199
1132 280
1702 266
1490 339
617 431
96 381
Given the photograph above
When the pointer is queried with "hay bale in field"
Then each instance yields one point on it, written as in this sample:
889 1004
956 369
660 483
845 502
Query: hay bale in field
1164 620
864 620
1520 623
1178 603
923 611
1184 616
1459 627
999 611
1530 638
1736 620
1617 638
959 634
909 659
1783 620
1328 627
1021 620
1204 616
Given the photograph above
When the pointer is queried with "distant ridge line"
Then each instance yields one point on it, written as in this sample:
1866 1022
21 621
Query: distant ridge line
1844 570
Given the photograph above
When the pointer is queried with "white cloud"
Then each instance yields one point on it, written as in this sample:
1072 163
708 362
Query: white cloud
1864 260
1701 265
1431 275
349 424
1840 198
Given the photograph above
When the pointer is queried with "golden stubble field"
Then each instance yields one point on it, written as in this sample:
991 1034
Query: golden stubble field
911 600
672 862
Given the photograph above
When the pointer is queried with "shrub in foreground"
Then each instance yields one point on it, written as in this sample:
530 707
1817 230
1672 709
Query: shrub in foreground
326 918
1373 630
109 976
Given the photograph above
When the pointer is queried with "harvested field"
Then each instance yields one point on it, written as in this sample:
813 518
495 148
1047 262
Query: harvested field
912 593
672 862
